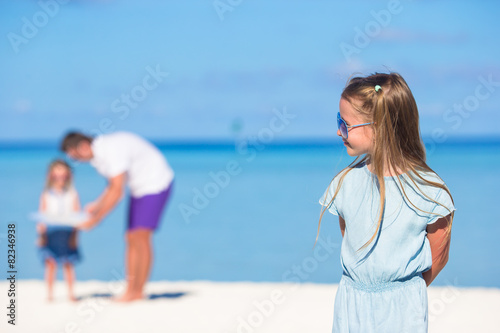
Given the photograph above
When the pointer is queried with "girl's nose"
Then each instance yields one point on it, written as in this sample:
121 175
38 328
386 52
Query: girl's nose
338 133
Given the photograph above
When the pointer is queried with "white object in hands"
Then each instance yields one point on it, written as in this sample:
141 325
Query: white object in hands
70 219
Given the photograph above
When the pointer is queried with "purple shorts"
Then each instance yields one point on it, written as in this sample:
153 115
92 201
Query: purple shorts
145 212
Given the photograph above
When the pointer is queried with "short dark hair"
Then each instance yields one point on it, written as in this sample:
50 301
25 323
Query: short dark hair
72 139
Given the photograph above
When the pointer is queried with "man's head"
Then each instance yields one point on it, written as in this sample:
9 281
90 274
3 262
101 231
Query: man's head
77 146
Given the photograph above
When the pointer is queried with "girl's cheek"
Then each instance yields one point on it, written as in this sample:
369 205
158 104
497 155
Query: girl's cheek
368 131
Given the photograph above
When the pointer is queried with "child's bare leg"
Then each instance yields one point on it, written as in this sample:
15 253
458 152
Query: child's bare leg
138 264
50 274
69 275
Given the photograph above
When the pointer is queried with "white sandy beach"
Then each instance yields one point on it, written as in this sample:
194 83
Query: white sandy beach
246 307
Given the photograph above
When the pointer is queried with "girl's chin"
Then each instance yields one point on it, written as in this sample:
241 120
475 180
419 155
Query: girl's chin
352 152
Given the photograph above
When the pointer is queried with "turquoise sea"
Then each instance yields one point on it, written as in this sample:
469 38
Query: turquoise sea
252 215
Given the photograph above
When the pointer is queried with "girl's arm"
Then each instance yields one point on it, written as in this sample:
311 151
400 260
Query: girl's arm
439 239
342 225
42 206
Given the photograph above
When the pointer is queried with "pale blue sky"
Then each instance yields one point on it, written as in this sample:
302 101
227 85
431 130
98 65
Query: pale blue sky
225 77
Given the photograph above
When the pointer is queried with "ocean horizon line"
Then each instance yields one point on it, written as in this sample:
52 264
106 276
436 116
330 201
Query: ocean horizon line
224 144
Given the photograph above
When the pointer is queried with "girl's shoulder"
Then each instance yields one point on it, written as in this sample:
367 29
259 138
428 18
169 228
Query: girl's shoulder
427 179
45 193
71 192
428 184
349 181
352 174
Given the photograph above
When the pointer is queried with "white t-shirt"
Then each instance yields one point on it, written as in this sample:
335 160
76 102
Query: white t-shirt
147 169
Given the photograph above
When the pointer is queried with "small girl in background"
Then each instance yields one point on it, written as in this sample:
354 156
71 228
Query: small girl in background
58 243
395 213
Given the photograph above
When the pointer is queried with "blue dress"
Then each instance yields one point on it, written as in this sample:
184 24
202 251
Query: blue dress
60 245
382 289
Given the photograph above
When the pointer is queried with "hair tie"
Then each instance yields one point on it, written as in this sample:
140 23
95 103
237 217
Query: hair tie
377 88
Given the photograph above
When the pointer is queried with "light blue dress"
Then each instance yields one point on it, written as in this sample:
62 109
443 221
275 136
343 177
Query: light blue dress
382 289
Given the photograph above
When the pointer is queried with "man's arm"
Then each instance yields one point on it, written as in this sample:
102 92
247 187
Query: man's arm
107 201
439 239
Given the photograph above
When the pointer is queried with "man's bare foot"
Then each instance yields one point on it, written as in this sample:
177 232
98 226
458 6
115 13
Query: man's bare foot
129 297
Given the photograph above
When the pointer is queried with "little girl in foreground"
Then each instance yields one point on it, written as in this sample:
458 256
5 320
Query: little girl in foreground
58 243
395 213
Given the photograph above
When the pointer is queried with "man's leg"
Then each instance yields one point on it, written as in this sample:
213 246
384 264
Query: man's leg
145 250
144 217
138 265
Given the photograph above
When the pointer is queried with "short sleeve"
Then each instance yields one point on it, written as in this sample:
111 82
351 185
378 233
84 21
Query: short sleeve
443 208
111 156
326 198
118 161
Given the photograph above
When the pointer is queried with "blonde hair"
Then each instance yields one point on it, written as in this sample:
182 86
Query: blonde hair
59 162
386 101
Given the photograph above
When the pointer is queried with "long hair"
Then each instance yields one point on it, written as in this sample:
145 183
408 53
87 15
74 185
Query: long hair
398 146
59 162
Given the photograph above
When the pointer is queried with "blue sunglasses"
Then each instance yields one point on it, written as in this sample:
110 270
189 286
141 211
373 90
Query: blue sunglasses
344 128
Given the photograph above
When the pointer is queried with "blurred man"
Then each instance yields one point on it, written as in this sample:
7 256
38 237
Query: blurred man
125 158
